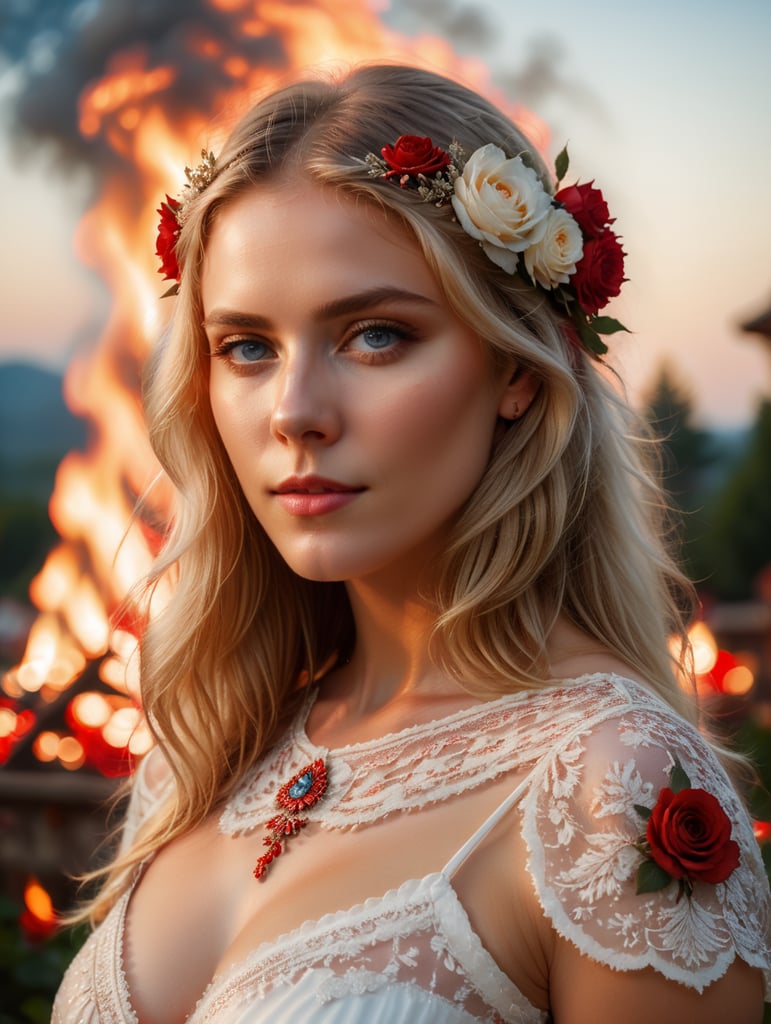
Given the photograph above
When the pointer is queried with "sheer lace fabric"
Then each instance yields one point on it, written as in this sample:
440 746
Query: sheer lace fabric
578 819
408 770
412 948
579 756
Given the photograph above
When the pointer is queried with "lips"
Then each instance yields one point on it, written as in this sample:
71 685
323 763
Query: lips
314 485
314 495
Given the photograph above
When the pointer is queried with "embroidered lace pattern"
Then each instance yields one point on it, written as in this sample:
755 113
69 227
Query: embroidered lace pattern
579 821
408 770
94 989
597 747
580 756
416 937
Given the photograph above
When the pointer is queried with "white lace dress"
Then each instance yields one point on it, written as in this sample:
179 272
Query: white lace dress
580 756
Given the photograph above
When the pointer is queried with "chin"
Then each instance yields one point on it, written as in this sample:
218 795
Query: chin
329 564
316 573
322 567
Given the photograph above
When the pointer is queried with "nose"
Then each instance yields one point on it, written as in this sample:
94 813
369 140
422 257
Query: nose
305 405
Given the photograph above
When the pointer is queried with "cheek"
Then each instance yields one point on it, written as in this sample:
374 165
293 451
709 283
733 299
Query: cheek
443 424
237 417
463 399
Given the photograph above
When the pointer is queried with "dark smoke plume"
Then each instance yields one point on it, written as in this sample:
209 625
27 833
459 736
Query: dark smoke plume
56 49
473 30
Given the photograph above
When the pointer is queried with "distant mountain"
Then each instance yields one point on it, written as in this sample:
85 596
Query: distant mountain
36 428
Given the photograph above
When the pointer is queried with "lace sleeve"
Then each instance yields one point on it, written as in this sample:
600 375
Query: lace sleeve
151 785
580 823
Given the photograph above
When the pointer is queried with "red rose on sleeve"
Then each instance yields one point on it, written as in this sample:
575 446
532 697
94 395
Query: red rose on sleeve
689 835
587 206
600 272
166 243
411 155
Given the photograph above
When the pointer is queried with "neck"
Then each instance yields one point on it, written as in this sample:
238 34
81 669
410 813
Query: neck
391 659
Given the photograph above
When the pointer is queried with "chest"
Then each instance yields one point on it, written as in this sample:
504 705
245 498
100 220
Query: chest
198 910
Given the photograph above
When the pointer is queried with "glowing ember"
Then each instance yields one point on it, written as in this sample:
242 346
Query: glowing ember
91 710
53 659
117 732
13 727
738 681
121 669
38 902
704 648
716 670
46 746
762 830
38 919
71 753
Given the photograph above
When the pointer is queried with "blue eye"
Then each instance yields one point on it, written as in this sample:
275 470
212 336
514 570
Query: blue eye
243 352
378 337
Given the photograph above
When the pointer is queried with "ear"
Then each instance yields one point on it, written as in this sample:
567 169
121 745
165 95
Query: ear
521 389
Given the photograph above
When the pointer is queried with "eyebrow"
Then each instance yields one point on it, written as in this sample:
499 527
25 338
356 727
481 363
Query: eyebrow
328 311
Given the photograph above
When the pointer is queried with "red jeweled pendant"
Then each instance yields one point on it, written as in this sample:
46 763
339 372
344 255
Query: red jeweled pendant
301 792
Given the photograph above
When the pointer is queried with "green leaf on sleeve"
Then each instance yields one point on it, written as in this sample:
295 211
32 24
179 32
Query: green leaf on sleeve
678 779
651 877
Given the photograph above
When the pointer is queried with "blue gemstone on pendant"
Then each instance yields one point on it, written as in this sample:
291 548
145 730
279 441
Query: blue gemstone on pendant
302 786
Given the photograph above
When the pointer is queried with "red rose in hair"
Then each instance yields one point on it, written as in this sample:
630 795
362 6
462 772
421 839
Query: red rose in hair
166 243
689 835
587 207
411 155
600 273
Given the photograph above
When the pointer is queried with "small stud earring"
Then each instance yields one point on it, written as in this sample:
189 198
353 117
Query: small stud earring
515 411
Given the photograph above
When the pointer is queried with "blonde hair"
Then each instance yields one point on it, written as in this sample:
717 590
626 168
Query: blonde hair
566 520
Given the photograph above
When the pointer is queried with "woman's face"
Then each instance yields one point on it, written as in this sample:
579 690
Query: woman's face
357 411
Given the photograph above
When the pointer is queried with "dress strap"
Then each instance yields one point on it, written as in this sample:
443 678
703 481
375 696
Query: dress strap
484 829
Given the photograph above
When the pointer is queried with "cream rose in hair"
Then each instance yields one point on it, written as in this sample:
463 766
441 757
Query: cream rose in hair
501 202
552 260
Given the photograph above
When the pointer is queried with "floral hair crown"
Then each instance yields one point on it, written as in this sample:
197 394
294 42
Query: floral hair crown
172 214
563 244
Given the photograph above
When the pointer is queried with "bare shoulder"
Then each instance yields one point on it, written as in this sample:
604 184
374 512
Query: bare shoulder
583 991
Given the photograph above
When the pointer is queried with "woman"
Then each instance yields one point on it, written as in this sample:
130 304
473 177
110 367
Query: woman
420 753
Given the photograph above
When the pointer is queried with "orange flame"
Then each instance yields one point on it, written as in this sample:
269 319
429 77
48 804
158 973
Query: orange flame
103 550
38 919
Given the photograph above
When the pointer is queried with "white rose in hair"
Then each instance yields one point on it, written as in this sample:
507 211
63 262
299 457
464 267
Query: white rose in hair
501 202
553 259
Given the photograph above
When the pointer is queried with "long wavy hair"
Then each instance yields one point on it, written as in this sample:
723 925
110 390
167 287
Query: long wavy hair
567 519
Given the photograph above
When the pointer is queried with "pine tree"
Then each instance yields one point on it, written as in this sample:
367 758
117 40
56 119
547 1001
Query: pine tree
686 456
739 538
